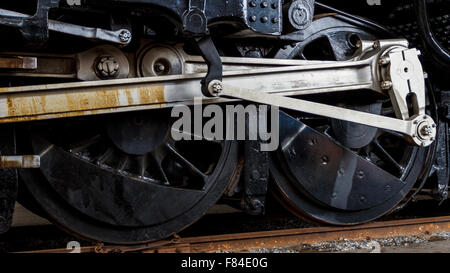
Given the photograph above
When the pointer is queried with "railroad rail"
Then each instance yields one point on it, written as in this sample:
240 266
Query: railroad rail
243 242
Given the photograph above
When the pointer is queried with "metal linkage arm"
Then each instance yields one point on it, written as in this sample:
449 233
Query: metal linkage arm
421 129
387 67
120 37
398 72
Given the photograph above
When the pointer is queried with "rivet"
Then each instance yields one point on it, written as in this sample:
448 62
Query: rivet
385 85
253 18
264 19
376 45
384 60
325 160
361 174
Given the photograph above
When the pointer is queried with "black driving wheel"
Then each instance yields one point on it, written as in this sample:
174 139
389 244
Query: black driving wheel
339 172
123 179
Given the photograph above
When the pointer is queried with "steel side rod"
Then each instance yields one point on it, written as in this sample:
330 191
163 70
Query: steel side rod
406 127
113 96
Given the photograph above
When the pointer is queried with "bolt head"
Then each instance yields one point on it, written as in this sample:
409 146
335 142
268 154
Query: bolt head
386 85
215 87
427 131
107 67
384 60
125 36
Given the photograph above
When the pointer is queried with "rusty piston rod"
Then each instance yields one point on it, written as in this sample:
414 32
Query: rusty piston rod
20 161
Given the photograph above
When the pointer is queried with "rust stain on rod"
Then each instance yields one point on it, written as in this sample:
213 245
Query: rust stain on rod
25 107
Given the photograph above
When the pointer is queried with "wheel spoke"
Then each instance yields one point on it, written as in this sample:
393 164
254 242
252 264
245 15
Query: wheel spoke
103 157
182 160
78 147
384 155
142 163
123 163
157 157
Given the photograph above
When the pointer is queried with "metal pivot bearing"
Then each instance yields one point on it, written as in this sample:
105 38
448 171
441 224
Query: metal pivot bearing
425 130
215 87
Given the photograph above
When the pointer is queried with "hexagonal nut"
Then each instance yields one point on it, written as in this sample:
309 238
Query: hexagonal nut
107 67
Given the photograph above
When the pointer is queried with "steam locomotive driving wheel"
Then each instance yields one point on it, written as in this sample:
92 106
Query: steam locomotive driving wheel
123 179
337 172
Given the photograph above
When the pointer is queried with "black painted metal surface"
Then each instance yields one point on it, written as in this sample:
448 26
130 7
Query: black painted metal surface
262 16
330 184
34 28
331 173
256 178
8 179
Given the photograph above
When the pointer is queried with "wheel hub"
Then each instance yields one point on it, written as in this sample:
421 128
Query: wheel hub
138 134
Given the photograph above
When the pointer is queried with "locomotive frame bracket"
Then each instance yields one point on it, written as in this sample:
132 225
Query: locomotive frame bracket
34 28
121 37
259 16
256 177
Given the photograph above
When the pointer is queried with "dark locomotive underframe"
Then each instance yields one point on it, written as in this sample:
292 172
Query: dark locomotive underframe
202 24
